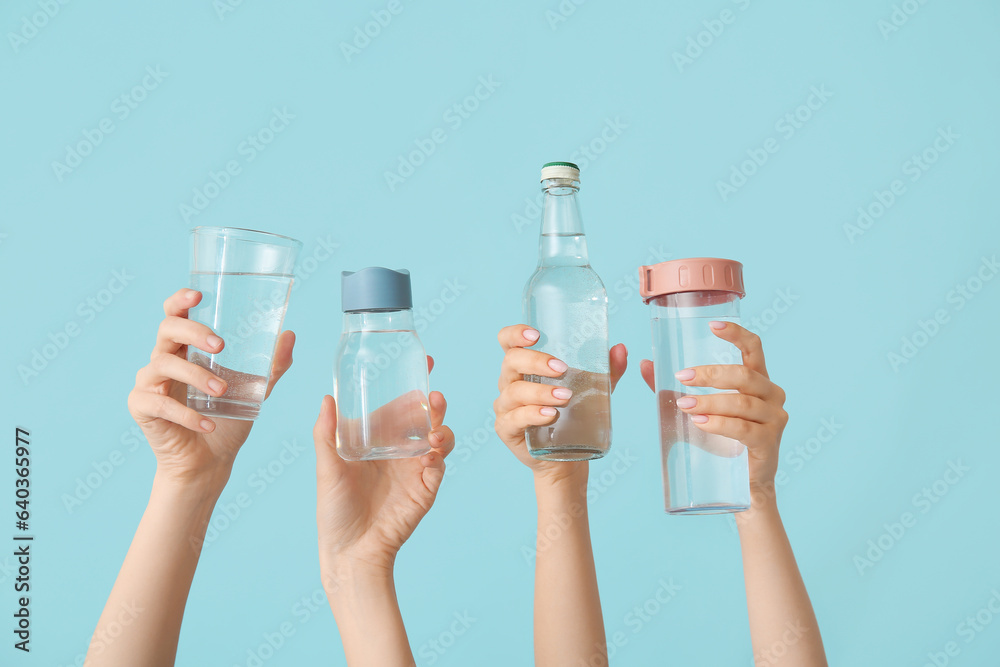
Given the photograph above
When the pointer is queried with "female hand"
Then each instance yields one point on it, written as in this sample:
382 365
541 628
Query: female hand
522 404
753 416
366 510
188 446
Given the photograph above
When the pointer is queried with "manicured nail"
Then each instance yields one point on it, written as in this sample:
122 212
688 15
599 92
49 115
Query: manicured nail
684 375
562 393
548 412
717 325
530 334
437 437
216 386
687 402
557 366
699 419
214 341
207 425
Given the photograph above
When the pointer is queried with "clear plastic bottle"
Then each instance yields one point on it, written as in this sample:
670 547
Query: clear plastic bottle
380 378
703 473
566 302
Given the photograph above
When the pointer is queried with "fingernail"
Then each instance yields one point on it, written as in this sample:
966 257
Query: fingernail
687 402
548 412
699 419
207 425
557 366
437 437
216 386
214 341
562 392
684 375
190 294
530 334
717 325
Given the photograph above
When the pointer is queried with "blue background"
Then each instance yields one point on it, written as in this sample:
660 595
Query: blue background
649 194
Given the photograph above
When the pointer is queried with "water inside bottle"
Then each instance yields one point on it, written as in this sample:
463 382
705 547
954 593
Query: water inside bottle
582 429
383 405
719 464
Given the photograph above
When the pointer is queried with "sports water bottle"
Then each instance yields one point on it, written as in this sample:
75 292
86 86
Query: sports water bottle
703 473
380 377
566 302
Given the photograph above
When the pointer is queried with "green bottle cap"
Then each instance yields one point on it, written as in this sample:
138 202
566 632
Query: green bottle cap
566 170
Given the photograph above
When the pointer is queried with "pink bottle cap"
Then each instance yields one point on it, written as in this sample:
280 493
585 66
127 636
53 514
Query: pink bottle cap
698 274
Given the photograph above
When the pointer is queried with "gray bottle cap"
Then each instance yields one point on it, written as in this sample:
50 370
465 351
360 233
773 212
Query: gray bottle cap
375 288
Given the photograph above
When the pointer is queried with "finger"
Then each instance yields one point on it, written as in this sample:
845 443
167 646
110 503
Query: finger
166 367
329 465
178 303
510 425
146 407
747 432
522 392
433 472
518 335
175 332
729 376
438 407
282 360
519 362
743 406
619 362
442 440
430 363
646 370
746 341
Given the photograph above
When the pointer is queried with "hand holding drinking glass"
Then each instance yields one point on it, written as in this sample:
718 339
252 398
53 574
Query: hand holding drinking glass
187 445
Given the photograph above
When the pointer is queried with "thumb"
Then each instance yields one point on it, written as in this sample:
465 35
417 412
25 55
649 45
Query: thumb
433 473
442 441
282 359
329 465
618 361
646 369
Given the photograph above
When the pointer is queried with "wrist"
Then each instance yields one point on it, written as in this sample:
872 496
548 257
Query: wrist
185 508
341 571
563 505
763 506
205 486
764 494
197 491
565 482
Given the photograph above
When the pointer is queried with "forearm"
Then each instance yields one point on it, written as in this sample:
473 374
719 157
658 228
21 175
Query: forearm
141 621
569 626
783 627
363 600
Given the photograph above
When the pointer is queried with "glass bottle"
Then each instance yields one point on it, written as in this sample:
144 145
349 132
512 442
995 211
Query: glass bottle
565 301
